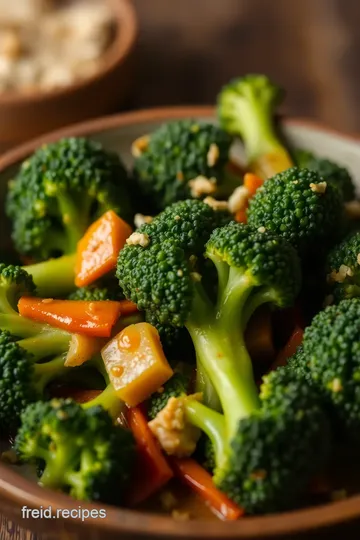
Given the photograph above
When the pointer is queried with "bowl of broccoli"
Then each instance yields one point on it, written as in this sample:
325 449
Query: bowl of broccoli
179 324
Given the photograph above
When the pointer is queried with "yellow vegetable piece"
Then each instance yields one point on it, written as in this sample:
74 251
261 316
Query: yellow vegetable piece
82 348
135 363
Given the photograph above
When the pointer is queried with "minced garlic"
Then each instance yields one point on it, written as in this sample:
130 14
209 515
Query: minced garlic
202 186
138 239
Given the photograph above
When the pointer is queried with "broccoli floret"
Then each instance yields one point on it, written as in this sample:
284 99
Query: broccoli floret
59 191
253 268
98 292
342 268
80 450
328 170
23 376
246 108
174 387
176 154
330 359
298 205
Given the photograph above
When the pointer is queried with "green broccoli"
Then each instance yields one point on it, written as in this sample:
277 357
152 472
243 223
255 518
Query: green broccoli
328 170
175 155
342 268
174 387
79 450
246 108
298 205
59 191
24 375
104 290
253 268
330 360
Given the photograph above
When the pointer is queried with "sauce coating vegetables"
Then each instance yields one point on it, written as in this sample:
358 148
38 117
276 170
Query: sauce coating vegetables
136 363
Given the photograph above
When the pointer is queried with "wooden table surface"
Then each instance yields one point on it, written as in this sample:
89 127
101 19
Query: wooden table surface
189 48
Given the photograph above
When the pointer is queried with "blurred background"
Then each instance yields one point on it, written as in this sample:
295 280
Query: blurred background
185 51
188 49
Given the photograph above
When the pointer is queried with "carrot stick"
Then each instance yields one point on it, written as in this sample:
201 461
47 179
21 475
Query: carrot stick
198 479
241 216
152 471
290 348
77 316
127 307
252 182
99 248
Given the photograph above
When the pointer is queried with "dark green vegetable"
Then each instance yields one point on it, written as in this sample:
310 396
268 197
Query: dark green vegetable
177 153
253 268
291 205
343 269
80 451
328 170
59 191
330 359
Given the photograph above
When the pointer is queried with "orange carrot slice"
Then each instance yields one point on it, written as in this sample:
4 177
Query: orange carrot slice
198 479
98 250
152 471
77 316
252 182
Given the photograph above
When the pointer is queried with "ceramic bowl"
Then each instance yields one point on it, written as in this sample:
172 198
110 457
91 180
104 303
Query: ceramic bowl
24 116
343 517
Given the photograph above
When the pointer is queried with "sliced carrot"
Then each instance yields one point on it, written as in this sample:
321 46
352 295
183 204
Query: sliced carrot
252 182
127 307
290 348
198 479
91 318
241 216
99 248
135 362
152 471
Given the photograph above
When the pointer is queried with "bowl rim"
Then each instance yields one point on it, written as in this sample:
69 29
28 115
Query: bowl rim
119 49
20 491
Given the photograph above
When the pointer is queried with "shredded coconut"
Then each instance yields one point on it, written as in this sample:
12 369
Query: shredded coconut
318 188
140 219
213 155
238 199
139 146
202 186
138 239
216 205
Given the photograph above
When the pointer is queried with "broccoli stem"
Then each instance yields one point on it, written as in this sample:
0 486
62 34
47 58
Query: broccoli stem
55 276
255 301
20 326
75 217
48 343
210 422
206 387
108 400
46 372
57 462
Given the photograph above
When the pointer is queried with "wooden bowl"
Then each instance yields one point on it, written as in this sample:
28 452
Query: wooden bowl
26 115
16 490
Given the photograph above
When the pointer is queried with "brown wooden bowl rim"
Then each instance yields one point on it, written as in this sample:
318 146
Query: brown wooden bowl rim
18 490
116 54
